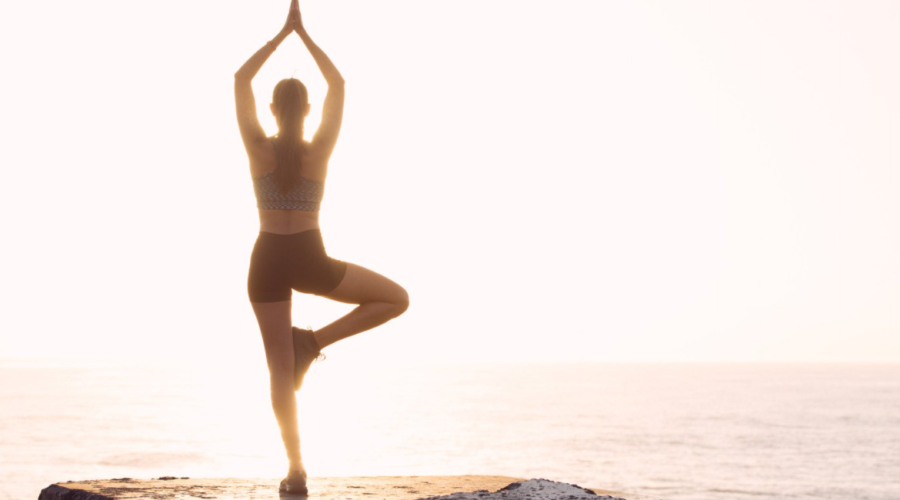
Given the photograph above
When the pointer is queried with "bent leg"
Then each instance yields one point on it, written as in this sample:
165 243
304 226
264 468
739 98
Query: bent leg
379 299
275 325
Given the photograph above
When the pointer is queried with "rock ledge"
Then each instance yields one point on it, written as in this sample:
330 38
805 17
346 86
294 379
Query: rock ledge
468 487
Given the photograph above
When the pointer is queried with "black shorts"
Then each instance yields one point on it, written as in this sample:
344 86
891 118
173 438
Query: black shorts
284 262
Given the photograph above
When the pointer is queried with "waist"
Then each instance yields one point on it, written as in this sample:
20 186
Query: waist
287 221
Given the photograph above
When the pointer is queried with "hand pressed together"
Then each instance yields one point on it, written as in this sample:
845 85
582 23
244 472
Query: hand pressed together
294 20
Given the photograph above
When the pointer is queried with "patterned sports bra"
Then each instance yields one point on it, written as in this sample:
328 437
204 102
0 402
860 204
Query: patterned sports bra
305 195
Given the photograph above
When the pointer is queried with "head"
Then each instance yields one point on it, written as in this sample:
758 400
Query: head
290 105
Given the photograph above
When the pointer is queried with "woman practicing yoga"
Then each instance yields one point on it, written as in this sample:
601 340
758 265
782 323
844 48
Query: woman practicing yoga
289 178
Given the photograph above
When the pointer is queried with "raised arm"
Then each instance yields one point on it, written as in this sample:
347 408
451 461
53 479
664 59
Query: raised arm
252 132
329 71
326 136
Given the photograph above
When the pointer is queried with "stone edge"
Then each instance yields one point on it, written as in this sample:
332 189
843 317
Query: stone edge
57 492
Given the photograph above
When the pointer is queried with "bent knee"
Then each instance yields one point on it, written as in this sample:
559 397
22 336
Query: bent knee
401 303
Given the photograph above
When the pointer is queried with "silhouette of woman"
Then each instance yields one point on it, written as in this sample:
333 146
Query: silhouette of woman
289 177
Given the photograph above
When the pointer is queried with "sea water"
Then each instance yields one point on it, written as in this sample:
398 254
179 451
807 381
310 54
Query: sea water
671 431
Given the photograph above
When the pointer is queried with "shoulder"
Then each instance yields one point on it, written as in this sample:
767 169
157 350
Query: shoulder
262 157
318 152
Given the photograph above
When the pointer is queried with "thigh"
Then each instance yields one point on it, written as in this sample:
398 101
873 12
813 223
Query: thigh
362 285
267 279
274 320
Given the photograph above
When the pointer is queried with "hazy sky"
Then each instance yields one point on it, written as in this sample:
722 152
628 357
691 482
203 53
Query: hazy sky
569 180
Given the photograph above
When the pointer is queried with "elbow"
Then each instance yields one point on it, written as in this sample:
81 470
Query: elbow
336 81
241 77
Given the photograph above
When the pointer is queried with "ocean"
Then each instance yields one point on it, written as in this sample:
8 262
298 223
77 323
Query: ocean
675 431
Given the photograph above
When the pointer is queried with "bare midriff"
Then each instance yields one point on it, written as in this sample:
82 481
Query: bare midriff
287 221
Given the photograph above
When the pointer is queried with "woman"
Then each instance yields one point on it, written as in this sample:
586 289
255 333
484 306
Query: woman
288 177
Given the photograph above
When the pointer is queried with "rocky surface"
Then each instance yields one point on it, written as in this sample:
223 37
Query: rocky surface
331 488
532 489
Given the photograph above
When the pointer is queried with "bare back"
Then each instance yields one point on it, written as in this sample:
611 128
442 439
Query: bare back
263 161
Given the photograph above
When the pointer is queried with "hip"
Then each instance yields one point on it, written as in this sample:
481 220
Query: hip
308 243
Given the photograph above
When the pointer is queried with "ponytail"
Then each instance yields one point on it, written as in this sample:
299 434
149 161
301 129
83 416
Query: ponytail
290 99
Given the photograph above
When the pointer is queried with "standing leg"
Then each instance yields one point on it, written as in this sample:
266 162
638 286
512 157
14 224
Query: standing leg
275 325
